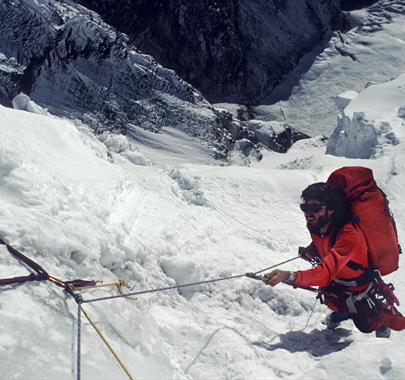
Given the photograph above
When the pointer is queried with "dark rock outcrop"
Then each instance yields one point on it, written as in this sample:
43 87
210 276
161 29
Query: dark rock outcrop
231 50
68 60
275 135
349 5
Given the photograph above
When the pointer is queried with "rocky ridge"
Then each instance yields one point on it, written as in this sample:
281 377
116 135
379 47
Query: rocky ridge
68 61
230 50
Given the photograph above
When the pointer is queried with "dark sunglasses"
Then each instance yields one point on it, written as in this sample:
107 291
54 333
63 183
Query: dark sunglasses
312 207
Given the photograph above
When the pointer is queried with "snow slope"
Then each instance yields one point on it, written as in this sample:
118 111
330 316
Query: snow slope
373 51
83 210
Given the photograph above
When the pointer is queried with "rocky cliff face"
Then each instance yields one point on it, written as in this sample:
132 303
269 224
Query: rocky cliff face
231 50
69 61
349 5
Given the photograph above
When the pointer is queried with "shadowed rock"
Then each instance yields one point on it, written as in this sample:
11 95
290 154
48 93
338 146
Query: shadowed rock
231 50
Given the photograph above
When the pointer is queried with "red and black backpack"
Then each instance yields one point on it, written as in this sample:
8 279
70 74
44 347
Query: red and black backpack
371 212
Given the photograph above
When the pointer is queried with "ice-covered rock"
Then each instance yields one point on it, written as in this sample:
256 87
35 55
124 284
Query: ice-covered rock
24 103
401 112
231 49
370 121
66 59
359 137
275 135
342 100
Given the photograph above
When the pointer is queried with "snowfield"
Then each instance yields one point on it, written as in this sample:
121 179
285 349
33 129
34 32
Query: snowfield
157 211
371 52
82 207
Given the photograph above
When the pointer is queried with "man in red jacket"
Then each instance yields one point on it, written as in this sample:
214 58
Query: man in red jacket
339 254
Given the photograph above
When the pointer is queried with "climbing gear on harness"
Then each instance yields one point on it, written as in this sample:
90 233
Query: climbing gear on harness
382 295
378 295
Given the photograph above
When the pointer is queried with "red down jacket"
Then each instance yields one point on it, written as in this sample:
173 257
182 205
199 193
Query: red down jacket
350 247
337 263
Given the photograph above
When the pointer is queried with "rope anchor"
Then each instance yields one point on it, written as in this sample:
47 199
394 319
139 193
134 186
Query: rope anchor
71 287
102 337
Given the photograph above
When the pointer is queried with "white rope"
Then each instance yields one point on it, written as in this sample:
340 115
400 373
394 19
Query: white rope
310 315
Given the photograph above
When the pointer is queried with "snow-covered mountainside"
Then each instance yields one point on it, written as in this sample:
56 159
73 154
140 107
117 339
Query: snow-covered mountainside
231 50
69 61
83 209
373 51
110 206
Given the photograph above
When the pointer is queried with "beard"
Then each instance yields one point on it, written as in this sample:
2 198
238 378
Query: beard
315 228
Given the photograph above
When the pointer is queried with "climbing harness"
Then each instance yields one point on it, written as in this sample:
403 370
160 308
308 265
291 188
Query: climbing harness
378 295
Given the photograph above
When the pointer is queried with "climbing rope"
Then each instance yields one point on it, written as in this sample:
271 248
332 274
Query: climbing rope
311 314
105 341
243 336
209 341
277 265
118 284
71 287
186 285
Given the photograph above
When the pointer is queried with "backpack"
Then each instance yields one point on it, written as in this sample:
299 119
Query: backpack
370 210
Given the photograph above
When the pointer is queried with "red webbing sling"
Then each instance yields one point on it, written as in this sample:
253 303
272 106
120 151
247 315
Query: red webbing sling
39 274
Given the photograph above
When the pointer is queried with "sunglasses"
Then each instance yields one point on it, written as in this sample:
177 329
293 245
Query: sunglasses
311 207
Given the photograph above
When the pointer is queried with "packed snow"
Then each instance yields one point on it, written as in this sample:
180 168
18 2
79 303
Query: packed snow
82 207
156 211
